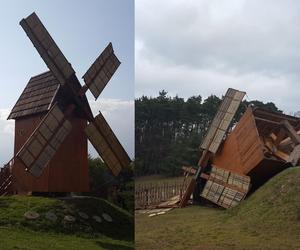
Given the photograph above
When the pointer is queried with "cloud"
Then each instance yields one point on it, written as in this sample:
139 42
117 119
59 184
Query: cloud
203 47
7 137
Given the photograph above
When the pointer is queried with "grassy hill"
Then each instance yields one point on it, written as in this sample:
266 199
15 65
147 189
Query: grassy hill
17 232
268 219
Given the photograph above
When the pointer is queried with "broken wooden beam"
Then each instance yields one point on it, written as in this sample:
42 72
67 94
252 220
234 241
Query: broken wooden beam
291 132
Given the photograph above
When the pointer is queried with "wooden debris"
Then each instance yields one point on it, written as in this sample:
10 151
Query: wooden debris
291 132
172 202
294 156
225 188
155 212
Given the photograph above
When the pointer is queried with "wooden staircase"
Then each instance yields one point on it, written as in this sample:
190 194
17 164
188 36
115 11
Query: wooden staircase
6 178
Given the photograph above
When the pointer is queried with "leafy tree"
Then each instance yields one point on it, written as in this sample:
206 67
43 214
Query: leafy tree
119 190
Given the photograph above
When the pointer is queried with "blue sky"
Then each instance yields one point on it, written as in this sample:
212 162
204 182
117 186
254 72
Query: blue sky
81 29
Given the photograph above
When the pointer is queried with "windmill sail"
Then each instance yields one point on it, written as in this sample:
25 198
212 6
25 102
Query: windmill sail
101 71
107 144
47 48
42 145
215 134
226 188
222 120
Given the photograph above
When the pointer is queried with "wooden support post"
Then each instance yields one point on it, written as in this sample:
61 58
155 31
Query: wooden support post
295 156
191 186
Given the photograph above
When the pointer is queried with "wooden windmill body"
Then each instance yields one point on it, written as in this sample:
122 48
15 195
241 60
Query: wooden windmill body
261 144
68 170
53 122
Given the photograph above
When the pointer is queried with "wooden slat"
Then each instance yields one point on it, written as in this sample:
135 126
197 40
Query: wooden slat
107 144
47 48
226 192
101 71
42 145
36 99
222 120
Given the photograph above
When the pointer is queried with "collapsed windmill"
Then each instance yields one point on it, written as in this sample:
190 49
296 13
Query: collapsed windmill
53 120
261 144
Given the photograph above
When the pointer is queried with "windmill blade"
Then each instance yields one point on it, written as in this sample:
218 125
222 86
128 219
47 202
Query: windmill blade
107 144
44 142
225 188
222 120
101 71
47 48
215 135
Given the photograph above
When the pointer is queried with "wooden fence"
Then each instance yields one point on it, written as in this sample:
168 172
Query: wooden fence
155 193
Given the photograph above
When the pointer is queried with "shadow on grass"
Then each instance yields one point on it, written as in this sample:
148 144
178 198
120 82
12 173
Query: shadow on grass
113 246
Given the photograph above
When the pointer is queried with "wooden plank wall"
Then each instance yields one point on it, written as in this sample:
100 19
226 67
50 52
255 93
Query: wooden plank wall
243 149
66 172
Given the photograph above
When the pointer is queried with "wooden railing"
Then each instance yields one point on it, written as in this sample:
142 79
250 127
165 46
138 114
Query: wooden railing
154 193
6 178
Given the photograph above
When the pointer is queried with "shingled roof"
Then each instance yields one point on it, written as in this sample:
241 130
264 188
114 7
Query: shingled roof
37 96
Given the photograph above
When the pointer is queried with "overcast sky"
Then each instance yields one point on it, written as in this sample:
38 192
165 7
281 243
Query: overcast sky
82 29
203 47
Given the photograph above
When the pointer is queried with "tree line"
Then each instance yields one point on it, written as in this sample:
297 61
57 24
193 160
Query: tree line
169 130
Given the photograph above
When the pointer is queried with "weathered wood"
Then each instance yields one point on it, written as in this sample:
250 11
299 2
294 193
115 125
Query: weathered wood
188 170
36 97
279 137
208 177
274 150
291 132
152 194
66 172
192 184
294 156
243 148
267 121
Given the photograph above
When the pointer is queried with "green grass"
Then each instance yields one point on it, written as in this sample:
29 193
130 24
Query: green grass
16 232
268 219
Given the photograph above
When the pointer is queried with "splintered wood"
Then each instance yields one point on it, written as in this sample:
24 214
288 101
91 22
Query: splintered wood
285 145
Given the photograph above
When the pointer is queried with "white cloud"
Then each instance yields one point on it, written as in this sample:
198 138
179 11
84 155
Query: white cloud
7 137
120 116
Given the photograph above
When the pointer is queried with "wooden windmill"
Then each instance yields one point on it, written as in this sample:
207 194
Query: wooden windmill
261 144
53 120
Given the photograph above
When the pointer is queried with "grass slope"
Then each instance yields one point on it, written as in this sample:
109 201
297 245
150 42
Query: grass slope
16 232
268 219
